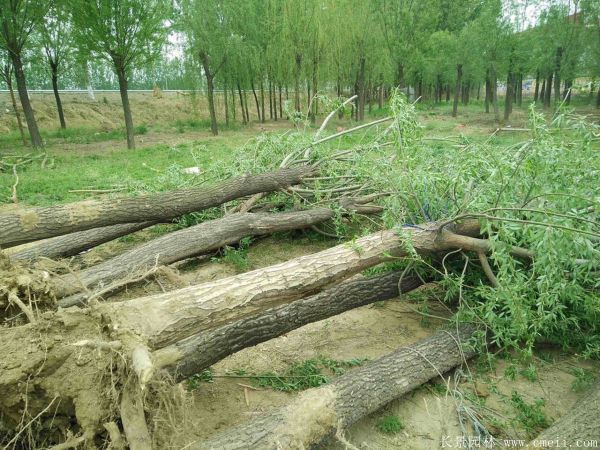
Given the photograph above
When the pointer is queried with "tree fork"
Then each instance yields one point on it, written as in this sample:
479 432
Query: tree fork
31 224
325 411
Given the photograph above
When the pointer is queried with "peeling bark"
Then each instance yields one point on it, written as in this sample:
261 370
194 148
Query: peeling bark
31 224
321 412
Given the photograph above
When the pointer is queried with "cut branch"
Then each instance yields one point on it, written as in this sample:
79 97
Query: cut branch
167 318
31 224
196 353
199 239
321 412
72 244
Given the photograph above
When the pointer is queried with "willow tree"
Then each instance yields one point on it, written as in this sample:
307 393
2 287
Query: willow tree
127 33
56 39
17 20
6 75
207 25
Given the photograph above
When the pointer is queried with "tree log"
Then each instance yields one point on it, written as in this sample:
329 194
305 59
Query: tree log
72 244
577 428
181 244
321 412
170 317
26 225
196 353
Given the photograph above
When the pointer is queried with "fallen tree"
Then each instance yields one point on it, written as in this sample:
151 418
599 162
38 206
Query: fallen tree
26 225
330 409
196 353
117 272
73 243
577 428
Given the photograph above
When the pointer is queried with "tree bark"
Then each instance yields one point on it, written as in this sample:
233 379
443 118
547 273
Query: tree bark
178 245
361 89
543 91
244 120
72 244
548 93
26 225
557 64
214 128
170 317
256 101
536 93
321 412
262 100
577 426
488 91
123 84
34 133
59 108
459 74
297 81
510 92
196 353
226 101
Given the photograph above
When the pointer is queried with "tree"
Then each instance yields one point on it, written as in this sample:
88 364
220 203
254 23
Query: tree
56 37
127 33
17 20
6 75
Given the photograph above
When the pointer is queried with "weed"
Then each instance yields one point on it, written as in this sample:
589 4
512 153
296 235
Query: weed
390 425
530 372
141 129
237 257
194 381
530 416
511 372
583 379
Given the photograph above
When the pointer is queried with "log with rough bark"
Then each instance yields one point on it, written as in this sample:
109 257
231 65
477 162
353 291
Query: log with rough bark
330 409
196 240
72 244
164 319
26 225
577 428
196 353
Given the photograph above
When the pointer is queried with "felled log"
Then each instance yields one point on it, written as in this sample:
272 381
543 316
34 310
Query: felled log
170 317
26 225
171 247
579 427
196 353
321 412
73 243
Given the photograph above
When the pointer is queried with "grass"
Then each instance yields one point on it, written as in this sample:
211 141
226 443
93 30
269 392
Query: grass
529 415
390 425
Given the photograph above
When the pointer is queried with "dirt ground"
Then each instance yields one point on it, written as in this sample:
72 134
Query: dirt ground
429 415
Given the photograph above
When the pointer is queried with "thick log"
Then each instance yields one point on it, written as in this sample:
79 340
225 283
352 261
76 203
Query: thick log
196 353
321 412
26 225
577 428
72 244
171 247
170 317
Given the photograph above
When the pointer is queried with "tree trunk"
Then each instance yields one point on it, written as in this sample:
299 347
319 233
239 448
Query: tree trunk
72 244
178 245
26 225
280 101
509 94
233 107
210 92
380 97
272 104
543 92
548 92
196 353
361 89
256 100
262 100
459 74
16 109
122 77
244 121
576 427
598 97
400 79
494 93
557 64
536 93
567 92
34 133
167 318
321 412
297 80
226 101
315 79
519 89
488 91
59 108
